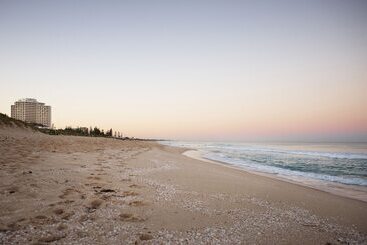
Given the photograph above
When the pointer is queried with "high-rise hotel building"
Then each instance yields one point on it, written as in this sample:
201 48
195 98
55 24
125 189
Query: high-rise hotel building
32 111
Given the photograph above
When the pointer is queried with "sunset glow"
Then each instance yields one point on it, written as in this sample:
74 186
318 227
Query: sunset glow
192 70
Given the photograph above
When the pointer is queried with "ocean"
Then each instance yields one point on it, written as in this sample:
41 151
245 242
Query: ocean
342 163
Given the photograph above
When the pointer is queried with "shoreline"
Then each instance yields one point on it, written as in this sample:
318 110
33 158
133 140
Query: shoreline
81 190
349 191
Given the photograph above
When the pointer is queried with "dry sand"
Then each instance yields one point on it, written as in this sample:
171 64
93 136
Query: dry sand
80 190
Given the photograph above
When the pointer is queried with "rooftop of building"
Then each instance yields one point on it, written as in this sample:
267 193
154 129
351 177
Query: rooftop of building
27 100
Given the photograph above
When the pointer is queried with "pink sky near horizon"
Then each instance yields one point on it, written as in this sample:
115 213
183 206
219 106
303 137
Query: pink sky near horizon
195 70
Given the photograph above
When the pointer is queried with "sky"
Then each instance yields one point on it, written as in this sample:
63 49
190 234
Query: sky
192 70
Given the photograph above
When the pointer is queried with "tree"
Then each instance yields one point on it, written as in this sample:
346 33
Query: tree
109 133
96 131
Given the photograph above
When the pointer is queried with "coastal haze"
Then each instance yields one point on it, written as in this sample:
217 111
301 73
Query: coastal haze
195 70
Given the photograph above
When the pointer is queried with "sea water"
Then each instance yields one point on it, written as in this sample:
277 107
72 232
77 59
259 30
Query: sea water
344 163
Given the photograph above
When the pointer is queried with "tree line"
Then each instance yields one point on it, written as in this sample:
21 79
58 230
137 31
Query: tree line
78 131
84 131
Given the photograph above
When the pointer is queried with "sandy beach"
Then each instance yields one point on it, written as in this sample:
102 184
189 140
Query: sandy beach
85 190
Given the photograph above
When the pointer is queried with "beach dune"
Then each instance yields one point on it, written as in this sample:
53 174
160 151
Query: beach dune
85 190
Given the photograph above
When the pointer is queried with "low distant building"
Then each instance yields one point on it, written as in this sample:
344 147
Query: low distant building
32 111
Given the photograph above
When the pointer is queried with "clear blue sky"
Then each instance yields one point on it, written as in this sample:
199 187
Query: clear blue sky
227 70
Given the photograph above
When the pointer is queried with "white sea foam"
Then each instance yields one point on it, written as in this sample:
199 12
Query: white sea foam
286 172
330 163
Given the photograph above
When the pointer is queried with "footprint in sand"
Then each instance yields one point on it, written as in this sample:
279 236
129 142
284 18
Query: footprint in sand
130 218
51 238
94 177
94 204
137 203
58 211
69 192
13 226
145 237
67 215
13 189
41 220
129 193
40 217
107 190
135 186
61 227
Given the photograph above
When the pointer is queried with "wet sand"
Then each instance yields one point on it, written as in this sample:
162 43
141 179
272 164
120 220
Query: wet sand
80 190
349 191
